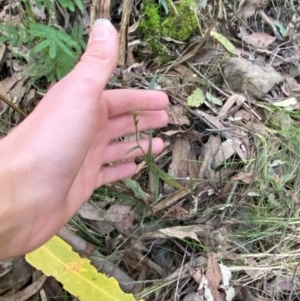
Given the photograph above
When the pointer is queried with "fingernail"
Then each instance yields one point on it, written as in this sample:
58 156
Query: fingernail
101 30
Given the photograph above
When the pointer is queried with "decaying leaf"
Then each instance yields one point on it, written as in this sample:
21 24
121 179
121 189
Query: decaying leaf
259 40
251 263
28 291
177 115
182 232
248 8
91 212
224 153
214 277
178 168
5 266
226 278
17 277
121 215
185 73
208 154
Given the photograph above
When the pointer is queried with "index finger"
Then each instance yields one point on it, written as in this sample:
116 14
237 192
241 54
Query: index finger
126 100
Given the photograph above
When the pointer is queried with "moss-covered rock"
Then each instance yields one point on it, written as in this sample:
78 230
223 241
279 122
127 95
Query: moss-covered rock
180 23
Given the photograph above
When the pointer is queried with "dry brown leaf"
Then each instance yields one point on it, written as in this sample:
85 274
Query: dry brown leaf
170 200
176 212
253 273
5 266
247 8
193 165
91 212
8 83
139 261
17 277
195 273
121 215
259 40
27 292
191 134
185 74
208 153
53 289
6 15
177 115
282 284
242 114
245 177
29 98
290 86
182 232
228 104
214 277
179 165
225 151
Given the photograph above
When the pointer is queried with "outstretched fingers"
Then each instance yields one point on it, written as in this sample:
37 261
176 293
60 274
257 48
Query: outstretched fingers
127 100
124 124
118 151
115 173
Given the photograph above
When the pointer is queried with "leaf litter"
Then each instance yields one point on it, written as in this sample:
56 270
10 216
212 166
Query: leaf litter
230 231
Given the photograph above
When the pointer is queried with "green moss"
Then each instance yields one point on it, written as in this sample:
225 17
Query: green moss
179 24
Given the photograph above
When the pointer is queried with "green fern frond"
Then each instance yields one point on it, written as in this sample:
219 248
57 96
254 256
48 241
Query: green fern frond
57 38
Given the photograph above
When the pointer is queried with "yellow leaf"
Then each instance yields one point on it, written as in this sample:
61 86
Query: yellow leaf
196 99
222 40
56 258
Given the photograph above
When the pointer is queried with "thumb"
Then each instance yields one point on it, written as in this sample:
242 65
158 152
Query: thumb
100 59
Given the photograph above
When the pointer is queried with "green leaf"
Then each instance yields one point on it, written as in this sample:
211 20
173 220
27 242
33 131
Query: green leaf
79 4
196 99
281 28
78 276
41 46
135 187
213 99
222 40
164 176
164 4
152 82
52 50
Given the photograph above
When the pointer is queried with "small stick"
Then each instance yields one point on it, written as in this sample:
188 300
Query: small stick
12 105
127 4
206 79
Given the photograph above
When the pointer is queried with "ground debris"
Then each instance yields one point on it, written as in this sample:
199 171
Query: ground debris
233 147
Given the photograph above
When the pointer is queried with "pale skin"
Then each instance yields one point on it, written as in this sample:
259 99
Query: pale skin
52 162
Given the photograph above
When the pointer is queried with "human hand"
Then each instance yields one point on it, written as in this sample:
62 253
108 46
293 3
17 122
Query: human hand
52 162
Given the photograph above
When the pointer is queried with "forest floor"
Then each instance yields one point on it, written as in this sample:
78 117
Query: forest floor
216 215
